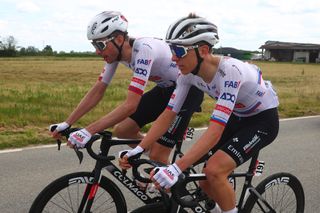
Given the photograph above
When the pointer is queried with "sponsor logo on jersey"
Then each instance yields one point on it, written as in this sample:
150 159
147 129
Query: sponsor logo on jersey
200 84
223 109
144 61
222 73
256 139
141 71
138 80
233 84
236 153
228 97
260 93
174 65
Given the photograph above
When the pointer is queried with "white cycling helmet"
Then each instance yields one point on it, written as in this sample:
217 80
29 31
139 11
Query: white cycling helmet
191 30
105 23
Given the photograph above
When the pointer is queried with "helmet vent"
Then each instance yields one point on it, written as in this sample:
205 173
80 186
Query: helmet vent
104 29
107 19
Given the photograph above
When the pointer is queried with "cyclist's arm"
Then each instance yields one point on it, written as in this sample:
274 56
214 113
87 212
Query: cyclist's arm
163 122
90 100
158 128
117 115
95 94
136 88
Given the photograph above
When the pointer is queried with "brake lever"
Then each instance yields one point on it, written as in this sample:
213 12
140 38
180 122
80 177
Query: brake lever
59 144
79 154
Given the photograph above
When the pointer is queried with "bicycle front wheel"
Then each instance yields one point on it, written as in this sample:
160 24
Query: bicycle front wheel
69 194
282 191
158 207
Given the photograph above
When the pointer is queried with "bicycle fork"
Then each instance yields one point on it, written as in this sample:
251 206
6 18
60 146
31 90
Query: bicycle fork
91 190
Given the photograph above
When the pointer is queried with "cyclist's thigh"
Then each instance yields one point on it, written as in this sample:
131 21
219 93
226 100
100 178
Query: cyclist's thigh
179 125
255 133
151 105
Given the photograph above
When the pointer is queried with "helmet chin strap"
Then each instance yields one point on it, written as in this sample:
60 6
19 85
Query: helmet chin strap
119 48
199 59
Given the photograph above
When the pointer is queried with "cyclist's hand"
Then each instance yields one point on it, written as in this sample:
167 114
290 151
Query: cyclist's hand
125 154
166 177
56 128
79 138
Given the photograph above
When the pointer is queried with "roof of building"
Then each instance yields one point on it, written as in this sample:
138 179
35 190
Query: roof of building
289 45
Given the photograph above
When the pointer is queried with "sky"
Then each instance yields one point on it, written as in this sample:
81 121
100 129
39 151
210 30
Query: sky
245 24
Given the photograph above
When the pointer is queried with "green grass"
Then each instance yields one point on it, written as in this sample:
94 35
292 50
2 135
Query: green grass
36 92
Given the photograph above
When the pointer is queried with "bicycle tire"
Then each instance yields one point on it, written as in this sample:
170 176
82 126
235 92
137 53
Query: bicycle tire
63 195
275 186
158 207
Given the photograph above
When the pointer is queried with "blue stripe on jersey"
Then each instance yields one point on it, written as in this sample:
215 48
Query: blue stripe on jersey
213 118
259 76
169 107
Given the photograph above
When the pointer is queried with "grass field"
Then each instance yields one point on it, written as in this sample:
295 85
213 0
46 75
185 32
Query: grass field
36 92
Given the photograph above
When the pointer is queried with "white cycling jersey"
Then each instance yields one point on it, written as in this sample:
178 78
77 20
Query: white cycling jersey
237 86
150 60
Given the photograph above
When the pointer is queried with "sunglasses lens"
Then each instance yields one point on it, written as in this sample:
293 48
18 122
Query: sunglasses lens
98 45
178 51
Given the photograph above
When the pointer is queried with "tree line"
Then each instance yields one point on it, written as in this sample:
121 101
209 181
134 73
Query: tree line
9 48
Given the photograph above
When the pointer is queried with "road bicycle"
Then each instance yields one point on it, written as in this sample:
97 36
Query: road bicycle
277 193
92 191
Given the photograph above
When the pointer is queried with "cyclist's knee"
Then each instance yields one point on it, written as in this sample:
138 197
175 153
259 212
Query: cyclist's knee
156 156
122 131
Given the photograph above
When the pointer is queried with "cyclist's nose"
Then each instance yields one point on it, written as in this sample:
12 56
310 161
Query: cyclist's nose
174 58
98 52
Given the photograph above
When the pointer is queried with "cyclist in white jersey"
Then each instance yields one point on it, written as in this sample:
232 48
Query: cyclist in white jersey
244 119
149 59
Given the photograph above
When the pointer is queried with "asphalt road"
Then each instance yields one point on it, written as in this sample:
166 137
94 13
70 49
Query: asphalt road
24 173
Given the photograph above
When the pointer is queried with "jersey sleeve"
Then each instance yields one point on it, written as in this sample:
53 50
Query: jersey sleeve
143 63
108 72
179 95
229 89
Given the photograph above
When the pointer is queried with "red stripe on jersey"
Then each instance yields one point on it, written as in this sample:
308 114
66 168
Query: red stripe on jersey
223 109
239 105
135 90
138 80
169 107
101 75
218 122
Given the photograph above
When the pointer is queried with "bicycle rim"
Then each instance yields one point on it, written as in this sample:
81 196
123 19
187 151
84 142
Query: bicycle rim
282 191
66 193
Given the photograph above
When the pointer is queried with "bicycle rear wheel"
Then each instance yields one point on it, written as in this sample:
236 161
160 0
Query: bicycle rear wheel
66 193
283 192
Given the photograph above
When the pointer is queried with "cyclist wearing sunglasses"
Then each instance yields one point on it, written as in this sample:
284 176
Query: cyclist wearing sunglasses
149 59
243 121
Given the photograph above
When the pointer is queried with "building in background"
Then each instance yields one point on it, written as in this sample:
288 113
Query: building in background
292 52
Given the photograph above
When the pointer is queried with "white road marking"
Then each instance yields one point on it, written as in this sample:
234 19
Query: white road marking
197 129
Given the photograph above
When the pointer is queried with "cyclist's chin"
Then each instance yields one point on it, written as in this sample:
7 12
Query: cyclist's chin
108 59
184 70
